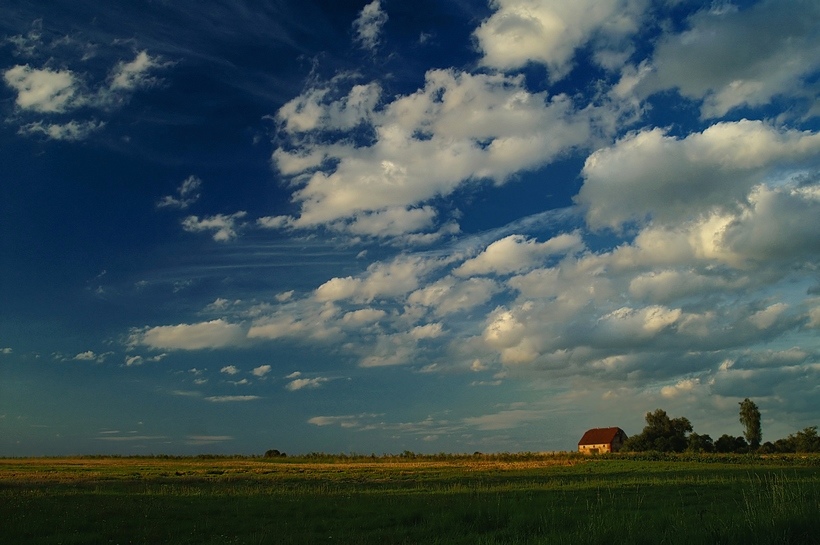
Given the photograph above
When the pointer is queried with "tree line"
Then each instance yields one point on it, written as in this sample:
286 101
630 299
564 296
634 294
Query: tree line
665 434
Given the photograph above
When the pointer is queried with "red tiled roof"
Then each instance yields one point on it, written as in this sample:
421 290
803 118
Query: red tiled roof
599 436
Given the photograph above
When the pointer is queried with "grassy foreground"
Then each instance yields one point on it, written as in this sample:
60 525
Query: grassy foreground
470 499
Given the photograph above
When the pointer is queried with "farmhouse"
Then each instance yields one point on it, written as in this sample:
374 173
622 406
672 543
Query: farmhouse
598 440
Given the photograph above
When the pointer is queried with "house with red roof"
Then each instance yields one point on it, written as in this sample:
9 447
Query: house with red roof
600 440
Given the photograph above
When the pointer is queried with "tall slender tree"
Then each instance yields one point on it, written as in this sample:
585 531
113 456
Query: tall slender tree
750 418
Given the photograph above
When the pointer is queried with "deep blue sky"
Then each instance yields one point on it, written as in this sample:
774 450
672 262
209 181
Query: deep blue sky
383 226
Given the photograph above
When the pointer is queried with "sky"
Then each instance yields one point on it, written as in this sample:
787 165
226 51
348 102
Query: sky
437 226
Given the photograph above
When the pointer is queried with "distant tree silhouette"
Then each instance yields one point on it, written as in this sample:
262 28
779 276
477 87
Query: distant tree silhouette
700 443
661 433
807 440
730 443
750 418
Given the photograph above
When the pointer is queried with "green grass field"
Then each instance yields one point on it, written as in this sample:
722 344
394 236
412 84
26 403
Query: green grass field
445 499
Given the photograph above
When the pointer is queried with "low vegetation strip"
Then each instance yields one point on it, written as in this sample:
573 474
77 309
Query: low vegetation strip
420 499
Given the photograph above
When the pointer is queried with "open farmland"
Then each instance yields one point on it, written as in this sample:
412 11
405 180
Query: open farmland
437 499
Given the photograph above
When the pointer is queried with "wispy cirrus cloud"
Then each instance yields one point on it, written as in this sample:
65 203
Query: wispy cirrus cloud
135 74
302 383
225 227
135 360
345 421
504 420
187 194
70 131
232 398
207 439
131 437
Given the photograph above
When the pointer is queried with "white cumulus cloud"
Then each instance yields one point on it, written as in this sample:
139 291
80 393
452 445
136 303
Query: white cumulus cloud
517 253
459 128
261 371
730 58
550 31
50 92
649 174
368 25
213 334
44 90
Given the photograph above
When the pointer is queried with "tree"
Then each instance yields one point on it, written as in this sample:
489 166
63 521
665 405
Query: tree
750 418
787 444
767 448
700 443
730 443
807 440
661 433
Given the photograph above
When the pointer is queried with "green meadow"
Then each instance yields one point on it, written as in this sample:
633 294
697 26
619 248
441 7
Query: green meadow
509 498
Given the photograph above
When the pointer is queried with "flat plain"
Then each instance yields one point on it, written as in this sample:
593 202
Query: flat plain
504 498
